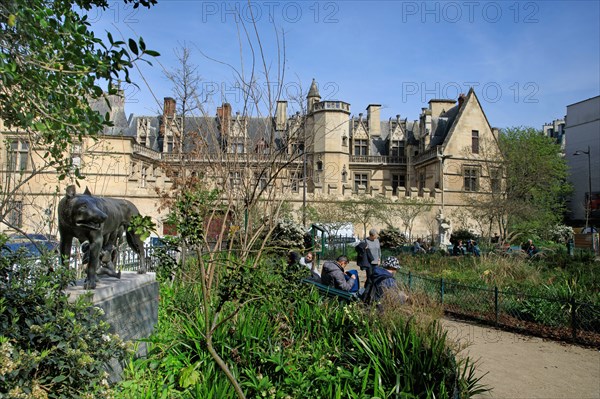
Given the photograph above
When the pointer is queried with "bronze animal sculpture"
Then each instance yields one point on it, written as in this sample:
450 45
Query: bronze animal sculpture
108 259
99 221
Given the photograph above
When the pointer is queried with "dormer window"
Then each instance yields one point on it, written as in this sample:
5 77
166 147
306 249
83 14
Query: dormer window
236 148
360 147
397 148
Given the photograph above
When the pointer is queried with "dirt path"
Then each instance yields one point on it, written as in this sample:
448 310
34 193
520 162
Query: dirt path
528 367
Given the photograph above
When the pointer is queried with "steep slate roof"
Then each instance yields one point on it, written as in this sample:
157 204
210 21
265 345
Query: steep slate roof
441 125
379 145
256 128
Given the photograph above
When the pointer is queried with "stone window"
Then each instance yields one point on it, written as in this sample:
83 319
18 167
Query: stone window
144 176
15 214
76 154
471 175
261 181
297 177
397 148
297 148
18 154
475 141
236 148
360 147
398 181
361 179
235 179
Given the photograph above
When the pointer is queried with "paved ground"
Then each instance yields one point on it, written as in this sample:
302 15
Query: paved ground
528 367
520 367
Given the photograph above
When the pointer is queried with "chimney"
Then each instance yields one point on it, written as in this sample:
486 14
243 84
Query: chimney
224 116
461 99
169 108
374 119
438 106
281 115
496 132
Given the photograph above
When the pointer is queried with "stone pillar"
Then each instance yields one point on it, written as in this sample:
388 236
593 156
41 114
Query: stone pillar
130 307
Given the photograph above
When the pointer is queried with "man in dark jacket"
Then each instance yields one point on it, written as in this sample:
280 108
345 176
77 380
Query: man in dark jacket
334 275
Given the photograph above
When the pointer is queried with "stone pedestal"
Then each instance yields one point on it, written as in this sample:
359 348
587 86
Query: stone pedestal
130 306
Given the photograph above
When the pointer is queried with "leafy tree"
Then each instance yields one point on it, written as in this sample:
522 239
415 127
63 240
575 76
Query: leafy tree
52 66
524 181
286 236
536 185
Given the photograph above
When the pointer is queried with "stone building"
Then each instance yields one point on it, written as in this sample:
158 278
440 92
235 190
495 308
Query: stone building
556 130
326 154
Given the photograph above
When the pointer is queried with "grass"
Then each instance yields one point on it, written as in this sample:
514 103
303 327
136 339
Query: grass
513 272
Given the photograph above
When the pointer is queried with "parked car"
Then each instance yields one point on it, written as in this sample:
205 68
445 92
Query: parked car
24 253
29 247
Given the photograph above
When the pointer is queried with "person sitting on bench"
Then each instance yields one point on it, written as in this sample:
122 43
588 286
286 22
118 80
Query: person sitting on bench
334 275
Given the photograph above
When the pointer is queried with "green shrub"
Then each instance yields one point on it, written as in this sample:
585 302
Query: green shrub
462 234
286 236
50 347
286 341
391 238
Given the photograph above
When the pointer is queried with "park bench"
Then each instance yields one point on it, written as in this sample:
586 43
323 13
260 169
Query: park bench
332 292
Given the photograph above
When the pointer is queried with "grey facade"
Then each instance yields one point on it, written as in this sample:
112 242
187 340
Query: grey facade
583 131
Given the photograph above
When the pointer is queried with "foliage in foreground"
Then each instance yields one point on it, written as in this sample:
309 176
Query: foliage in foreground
287 342
50 347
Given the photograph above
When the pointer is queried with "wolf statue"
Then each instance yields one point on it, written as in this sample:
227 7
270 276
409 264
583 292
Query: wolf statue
99 221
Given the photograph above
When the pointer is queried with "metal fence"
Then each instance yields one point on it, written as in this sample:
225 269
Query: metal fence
561 318
127 259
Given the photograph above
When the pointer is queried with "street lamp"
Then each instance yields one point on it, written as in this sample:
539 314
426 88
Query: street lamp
589 196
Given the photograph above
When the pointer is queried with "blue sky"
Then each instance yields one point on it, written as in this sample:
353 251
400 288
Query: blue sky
526 60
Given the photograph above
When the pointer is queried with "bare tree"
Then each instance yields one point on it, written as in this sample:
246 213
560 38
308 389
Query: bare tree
231 178
363 210
406 211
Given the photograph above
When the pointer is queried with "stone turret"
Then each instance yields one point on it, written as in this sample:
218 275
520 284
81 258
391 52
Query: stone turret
313 96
